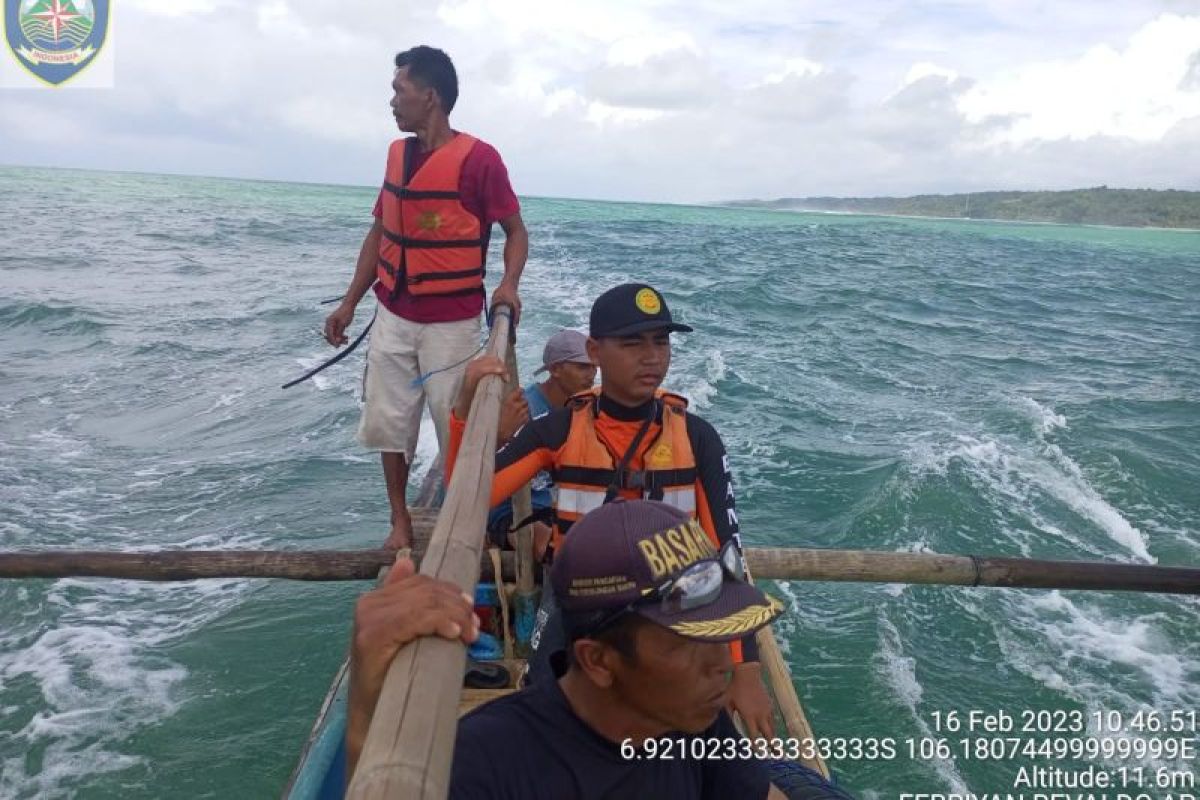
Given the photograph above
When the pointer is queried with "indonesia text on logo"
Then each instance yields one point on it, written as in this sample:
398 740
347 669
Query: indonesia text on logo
55 39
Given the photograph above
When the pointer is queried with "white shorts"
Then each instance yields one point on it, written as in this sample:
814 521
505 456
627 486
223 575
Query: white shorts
399 351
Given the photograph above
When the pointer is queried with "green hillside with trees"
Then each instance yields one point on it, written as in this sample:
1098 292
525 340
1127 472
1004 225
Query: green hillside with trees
1098 206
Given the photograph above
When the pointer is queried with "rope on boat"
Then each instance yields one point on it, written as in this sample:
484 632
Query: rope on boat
502 593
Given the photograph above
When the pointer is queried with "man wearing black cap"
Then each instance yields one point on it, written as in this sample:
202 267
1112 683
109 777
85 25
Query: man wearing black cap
627 439
638 706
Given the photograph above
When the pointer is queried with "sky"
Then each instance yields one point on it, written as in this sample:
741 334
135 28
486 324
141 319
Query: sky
650 100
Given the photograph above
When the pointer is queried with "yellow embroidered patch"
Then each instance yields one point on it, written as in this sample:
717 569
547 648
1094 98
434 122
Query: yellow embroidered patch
429 221
661 457
675 548
744 621
647 301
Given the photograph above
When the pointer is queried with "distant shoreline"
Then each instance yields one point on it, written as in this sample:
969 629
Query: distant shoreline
885 215
1168 209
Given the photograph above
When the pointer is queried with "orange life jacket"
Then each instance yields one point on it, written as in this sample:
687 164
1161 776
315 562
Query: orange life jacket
586 467
430 241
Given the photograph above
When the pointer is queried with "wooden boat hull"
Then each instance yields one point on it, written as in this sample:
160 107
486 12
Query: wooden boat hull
321 771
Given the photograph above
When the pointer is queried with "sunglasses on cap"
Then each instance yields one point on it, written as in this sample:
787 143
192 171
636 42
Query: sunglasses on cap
698 585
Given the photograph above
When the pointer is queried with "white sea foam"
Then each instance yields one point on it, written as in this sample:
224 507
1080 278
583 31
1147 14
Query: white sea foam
700 390
1083 633
224 541
699 393
785 626
74 492
56 445
99 674
1044 418
340 377
716 366
1023 477
225 400
899 671
1083 498
1099 657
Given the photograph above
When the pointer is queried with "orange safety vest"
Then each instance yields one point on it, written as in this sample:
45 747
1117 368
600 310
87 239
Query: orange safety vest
585 467
430 241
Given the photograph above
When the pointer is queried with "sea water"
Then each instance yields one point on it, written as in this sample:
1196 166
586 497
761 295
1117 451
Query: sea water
893 384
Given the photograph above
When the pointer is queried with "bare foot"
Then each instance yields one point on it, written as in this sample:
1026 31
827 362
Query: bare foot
401 535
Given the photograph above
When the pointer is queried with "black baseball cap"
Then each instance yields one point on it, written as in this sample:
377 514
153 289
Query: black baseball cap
631 308
620 553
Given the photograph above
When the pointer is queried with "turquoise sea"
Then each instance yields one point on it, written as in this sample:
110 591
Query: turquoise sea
894 384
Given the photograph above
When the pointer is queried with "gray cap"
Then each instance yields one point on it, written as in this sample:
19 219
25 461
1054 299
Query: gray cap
566 345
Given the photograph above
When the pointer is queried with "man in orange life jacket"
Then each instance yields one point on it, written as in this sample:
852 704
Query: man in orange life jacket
627 439
569 371
425 257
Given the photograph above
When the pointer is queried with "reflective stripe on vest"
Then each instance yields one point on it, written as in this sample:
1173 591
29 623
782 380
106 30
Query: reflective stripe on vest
585 467
683 498
578 502
430 240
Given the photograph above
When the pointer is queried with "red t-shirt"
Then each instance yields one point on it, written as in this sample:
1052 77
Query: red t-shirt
485 192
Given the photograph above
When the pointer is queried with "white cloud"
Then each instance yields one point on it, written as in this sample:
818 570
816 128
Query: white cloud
1191 79
794 68
1139 91
655 99
637 50
924 69
681 78
175 8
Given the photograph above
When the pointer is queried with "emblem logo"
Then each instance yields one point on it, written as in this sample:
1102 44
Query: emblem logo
661 457
647 301
55 39
429 221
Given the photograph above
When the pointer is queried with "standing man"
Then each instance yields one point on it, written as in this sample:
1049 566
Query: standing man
425 256
627 439
569 371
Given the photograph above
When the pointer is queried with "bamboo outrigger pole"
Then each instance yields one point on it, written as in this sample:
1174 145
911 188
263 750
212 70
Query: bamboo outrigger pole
772 563
782 563
526 597
189 565
787 700
411 740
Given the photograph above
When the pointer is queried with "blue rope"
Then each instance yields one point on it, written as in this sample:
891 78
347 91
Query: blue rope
421 379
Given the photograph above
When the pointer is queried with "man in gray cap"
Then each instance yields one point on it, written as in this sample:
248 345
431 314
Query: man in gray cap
569 371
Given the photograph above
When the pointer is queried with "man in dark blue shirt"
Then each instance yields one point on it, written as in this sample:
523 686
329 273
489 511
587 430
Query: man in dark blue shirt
638 710
635 692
